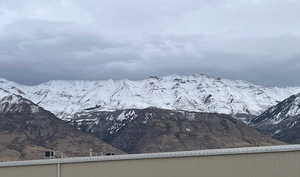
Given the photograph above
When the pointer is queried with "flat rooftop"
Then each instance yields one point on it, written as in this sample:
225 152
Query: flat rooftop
200 153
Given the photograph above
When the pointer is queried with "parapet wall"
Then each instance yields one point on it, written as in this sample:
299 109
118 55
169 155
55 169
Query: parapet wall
275 161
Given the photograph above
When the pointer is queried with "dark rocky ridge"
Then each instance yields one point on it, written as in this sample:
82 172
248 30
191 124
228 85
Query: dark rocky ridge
159 130
27 130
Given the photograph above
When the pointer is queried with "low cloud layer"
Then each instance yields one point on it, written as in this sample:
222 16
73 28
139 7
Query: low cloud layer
255 40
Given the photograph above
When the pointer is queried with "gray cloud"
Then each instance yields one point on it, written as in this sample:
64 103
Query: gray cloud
256 40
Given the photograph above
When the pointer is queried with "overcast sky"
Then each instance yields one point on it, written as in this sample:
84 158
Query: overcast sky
254 40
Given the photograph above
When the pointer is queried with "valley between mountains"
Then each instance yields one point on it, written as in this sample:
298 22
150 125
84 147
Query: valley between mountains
158 114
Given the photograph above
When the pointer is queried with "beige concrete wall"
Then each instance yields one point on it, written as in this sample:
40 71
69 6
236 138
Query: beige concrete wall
284 164
29 171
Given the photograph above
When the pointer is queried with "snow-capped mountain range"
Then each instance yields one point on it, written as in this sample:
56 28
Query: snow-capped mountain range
197 92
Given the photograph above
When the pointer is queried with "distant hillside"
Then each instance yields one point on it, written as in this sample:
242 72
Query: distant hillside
27 130
159 130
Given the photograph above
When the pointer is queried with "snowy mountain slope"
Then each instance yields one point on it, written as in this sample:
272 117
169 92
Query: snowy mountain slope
15 103
281 121
193 93
289 107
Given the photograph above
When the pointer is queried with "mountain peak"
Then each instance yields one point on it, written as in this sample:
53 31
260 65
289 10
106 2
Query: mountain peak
289 107
12 99
16 103
294 108
281 121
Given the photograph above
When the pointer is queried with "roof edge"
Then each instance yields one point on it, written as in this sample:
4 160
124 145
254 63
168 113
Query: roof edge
200 153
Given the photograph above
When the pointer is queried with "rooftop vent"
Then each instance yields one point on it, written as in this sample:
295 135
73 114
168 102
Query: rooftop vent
49 155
